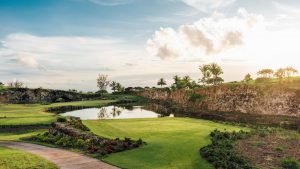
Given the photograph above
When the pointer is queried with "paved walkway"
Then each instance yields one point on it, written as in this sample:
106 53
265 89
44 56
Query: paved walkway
62 158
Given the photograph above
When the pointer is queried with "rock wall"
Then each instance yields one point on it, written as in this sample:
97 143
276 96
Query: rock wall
24 95
268 100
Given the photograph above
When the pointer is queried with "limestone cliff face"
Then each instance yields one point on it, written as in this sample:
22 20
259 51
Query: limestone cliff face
271 100
39 95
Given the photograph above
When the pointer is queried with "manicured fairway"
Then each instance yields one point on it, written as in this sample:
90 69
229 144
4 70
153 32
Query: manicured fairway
16 159
172 142
34 114
16 136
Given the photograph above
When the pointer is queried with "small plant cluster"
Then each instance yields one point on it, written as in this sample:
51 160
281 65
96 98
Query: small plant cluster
73 122
289 163
71 133
196 97
220 153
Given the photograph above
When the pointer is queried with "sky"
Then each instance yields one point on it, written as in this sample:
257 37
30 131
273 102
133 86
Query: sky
65 44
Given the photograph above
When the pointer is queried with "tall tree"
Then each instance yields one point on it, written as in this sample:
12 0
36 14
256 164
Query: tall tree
161 82
119 87
211 74
113 85
206 73
16 84
247 78
265 73
290 71
280 74
186 80
102 82
216 71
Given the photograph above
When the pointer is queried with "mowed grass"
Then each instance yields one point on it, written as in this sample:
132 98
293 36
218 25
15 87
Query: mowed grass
16 136
16 159
172 143
35 114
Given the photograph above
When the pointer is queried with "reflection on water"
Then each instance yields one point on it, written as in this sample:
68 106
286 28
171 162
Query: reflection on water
114 112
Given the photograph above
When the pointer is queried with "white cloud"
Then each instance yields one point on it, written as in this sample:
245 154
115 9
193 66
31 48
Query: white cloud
44 60
208 36
32 51
287 8
208 5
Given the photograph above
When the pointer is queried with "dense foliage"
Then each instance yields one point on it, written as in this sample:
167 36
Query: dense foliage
71 133
290 164
220 153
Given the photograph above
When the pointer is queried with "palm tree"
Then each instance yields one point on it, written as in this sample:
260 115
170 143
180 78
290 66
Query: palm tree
161 82
186 79
216 71
206 74
177 81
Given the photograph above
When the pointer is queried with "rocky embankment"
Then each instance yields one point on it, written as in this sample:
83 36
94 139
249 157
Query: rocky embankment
246 99
25 95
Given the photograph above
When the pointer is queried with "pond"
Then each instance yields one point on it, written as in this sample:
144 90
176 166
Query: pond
114 112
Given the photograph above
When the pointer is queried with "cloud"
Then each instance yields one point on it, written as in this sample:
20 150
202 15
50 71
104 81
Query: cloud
207 36
32 51
286 8
111 2
208 5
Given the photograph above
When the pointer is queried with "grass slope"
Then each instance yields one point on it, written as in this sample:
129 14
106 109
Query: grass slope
34 114
16 136
171 142
16 159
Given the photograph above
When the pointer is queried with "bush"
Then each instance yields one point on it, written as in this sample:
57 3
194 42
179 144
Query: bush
73 134
289 163
196 97
60 100
45 103
263 80
220 153
61 119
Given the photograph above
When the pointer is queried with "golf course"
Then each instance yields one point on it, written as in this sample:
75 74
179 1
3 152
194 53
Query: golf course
170 142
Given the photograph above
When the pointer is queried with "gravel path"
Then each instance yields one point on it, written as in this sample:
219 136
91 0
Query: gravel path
62 158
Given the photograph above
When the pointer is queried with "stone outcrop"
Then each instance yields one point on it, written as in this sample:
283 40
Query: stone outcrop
249 99
25 95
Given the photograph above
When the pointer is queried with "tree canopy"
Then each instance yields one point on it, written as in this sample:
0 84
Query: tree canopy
161 82
102 82
211 74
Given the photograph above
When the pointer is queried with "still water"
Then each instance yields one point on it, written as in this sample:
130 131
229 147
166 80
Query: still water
113 112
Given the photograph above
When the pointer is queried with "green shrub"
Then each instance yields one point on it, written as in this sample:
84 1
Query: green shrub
61 119
289 163
196 97
220 153
45 103
60 100
263 80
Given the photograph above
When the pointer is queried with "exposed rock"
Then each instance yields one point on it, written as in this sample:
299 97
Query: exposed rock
24 95
268 100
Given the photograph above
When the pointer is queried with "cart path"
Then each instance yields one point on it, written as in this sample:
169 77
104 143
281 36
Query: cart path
62 158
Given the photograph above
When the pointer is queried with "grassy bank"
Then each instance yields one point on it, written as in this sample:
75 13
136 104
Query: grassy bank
35 114
171 142
16 159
